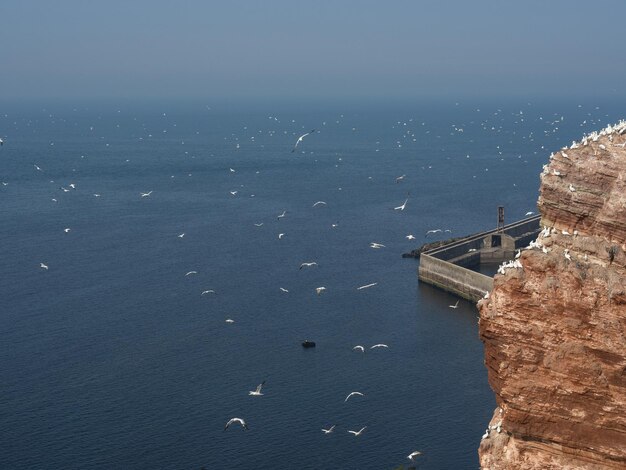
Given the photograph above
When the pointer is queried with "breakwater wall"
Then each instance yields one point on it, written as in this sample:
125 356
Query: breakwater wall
448 266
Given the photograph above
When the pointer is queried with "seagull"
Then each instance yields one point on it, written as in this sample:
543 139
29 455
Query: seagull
434 231
281 235
358 433
191 272
236 420
376 245
146 194
318 203
259 225
351 394
43 266
181 235
72 185
307 265
529 213
283 289
568 257
300 139
282 215
37 168
319 290
229 320
209 291
571 188
257 392
412 455
410 237
1 142
380 345
231 170
367 286
233 192
401 208
329 430
67 230
456 305
400 178
359 347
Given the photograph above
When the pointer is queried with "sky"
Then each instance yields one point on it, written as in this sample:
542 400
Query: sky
291 49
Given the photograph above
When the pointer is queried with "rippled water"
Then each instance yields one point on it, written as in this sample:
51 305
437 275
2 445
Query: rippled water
112 358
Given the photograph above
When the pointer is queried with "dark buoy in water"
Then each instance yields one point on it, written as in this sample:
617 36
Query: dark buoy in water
308 344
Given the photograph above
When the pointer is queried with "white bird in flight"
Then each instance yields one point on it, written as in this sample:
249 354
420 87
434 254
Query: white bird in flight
37 168
456 305
308 265
412 455
300 139
358 347
283 289
67 230
366 286
238 421
358 433
181 235
281 235
229 320
257 392
259 225
209 291
380 345
433 231
319 290
319 203
400 178
282 215
410 237
329 430
43 266
191 272
352 394
376 245
401 208
146 194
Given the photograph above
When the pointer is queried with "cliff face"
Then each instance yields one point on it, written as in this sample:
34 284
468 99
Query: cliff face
554 326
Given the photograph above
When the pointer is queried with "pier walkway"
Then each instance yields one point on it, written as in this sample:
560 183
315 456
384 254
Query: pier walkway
448 266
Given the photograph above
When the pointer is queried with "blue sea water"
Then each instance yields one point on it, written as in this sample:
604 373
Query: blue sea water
112 358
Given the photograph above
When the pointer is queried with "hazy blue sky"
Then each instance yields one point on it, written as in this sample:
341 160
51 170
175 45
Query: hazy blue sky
288 48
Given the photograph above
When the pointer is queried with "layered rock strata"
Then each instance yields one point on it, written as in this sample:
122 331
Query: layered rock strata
554 326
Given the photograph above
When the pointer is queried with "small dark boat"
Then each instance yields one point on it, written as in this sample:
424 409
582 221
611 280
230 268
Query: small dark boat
308 344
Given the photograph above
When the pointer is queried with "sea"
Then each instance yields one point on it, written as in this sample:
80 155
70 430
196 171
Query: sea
156 222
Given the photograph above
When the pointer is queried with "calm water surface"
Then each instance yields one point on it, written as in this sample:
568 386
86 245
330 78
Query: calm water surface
112 358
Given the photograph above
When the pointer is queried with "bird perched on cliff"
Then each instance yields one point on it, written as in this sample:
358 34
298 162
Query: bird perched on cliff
257 392
412 455
568 257
351 394
329 430
300 139
238 421
358 433
571 188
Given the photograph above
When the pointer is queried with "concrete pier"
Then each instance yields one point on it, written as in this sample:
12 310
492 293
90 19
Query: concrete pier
447 266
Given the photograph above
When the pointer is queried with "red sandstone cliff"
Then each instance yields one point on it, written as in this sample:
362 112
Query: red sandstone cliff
554 326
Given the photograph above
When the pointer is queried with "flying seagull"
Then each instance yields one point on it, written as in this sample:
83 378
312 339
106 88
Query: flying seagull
359 348
146 194
358 433
456 305
1 142
300 139
400 178
43 266
329 430
401 208
282 215
319 290
380 345
433 231
307 265
209 291
283 289
351 394
257 392
376 245
412 455
366 286
191 272
410 237
236 420
318 203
